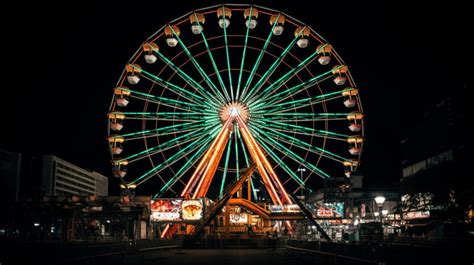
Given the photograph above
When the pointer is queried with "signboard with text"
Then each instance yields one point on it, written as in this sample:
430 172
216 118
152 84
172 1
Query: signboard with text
176 210
328 210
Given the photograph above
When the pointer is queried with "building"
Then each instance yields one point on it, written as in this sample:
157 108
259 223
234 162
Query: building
436 188
61 177
28 177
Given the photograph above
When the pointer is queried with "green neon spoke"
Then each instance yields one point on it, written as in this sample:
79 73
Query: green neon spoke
294 71
159 130
165 146
301 144
174 158
281 163
185 168
300 87
201 71
304 115
272 69
300 103
284 150
170 161
169 130
198 87
161 100
243 57
298 129
226 164
259 59
195 128
247 162
165 84
228 60
167 116
236 152
287 93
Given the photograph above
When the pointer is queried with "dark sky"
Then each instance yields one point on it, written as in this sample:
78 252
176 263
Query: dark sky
63 61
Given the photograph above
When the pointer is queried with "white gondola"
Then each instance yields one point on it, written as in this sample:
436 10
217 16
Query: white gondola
224 15
279 20
251 24
302 33
355 127
133 71
149 49
171 33
197 20
340 80
350 103
150 58
324 60
133 79
324 52
196 29
354 150
253 14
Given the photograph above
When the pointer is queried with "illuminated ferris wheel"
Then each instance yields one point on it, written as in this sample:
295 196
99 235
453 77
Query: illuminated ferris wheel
229 87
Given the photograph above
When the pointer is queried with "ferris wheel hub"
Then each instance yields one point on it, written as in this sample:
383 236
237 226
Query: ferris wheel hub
232 110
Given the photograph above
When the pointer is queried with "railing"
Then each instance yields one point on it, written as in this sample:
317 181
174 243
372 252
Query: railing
124 256
331 258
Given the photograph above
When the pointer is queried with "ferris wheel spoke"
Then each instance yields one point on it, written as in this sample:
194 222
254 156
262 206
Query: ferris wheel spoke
282 164
183 170
302 117
165 146
162 100
261 82
224 173
166 116
300 103
172 159
236 152
213 99
143 136
259 59
286 151
228 59
274 98
252 144
173 88
290 74
305 146
237 94
198 67
247 162
298 129
176 128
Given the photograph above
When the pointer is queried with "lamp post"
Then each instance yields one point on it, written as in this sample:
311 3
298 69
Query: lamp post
301 170
379 200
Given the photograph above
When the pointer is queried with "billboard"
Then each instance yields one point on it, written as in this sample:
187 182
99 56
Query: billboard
239 218
330 210
176 210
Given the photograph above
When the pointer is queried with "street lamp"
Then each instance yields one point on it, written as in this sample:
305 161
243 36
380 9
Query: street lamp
379 200
301 170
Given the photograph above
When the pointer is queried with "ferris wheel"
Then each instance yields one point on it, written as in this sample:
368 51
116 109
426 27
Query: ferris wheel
226 87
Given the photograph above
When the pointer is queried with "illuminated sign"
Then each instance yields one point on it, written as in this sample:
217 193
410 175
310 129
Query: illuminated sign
241 218
416 215
287 208
176 210
330 210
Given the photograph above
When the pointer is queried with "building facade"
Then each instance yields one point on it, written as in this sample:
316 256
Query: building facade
60 177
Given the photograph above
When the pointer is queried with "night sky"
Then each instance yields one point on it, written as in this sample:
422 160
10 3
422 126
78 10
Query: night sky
63 60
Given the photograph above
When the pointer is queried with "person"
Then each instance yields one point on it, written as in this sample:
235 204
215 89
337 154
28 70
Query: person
274 239
250 230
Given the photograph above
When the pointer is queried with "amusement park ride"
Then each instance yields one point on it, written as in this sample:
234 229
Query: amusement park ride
234 98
